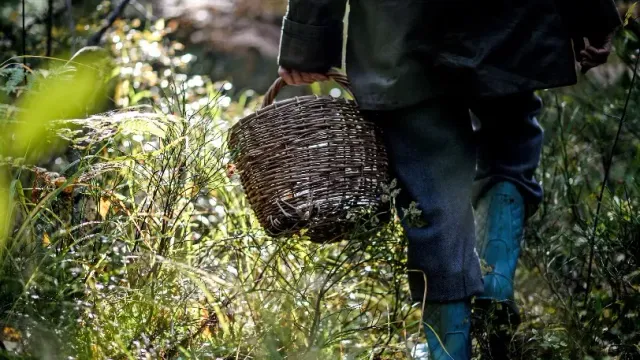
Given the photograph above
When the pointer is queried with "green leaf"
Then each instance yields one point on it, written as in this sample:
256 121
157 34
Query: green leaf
15 76
19 191
316 89
142 126
135 99
630 13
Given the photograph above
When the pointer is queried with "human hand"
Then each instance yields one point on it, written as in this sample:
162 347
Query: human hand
295 77
593 52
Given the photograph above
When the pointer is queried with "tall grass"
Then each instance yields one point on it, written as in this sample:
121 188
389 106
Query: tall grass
141 246
124 237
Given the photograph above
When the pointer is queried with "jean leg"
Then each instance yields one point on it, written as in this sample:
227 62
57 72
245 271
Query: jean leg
510 141
432 156
506 193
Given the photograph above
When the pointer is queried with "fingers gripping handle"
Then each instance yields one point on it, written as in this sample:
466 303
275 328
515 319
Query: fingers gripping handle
275 88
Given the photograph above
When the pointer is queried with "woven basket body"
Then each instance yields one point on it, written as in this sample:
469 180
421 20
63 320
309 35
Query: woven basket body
307 162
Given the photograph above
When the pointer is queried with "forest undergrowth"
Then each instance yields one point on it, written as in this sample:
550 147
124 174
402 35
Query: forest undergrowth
124 234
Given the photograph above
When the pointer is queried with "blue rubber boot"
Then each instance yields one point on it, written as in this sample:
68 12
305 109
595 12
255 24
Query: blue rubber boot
447 327
500 220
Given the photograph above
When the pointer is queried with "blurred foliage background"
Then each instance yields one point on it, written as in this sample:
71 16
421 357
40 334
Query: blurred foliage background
123 237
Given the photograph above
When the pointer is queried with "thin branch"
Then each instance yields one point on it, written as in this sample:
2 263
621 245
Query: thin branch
49 28
72 26
95 39
24 34
605 180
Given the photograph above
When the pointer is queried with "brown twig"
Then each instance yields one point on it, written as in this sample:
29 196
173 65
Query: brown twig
95 39
49 28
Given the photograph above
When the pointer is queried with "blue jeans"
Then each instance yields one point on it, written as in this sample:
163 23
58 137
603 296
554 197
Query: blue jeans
444 165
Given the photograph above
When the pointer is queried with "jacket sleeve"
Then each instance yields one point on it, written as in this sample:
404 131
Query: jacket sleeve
606 17
312 35
586 18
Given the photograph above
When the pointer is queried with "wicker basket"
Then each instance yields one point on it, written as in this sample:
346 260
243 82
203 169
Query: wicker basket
308 163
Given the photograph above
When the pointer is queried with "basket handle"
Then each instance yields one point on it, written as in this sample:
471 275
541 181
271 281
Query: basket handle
275 88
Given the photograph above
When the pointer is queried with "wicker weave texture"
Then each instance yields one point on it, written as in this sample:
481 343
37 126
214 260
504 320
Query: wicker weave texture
306 162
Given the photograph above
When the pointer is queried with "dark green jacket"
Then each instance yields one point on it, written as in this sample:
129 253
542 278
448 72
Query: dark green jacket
400 52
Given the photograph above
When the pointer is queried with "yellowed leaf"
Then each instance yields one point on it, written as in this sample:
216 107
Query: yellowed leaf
630 13
46 241
160 24
11 334
95 351
103 208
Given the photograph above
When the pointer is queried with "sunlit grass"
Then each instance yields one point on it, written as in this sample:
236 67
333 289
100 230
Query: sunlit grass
133 242
149 239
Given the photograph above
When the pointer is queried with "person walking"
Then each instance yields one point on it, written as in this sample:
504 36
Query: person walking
420 69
